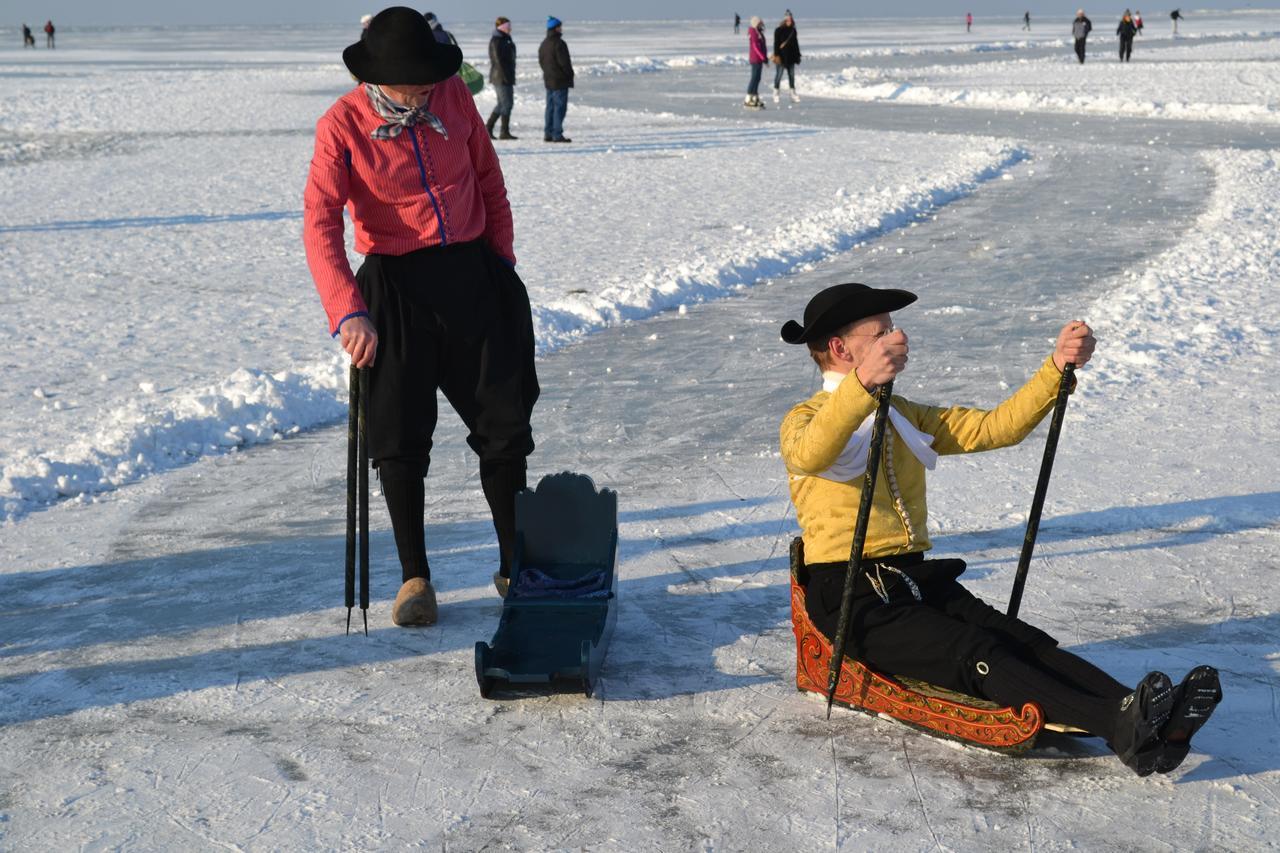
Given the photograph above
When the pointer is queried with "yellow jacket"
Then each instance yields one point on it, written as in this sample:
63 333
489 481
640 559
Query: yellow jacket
816 431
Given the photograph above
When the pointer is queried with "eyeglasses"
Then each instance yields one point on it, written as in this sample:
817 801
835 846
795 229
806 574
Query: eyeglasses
879 334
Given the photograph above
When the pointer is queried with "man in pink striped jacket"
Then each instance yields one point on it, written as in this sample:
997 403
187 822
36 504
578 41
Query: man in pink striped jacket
437 302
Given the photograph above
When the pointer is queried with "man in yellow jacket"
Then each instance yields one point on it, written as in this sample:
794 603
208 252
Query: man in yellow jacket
910 616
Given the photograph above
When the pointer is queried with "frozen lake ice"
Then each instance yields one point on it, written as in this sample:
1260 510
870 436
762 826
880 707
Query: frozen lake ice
170 637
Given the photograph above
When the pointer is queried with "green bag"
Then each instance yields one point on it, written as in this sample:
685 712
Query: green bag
473 78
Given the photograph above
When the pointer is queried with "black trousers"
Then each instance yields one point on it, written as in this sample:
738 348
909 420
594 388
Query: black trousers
955 640
1126 48
454 318
1080 49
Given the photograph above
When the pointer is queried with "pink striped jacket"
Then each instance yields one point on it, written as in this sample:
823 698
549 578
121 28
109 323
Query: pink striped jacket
406 193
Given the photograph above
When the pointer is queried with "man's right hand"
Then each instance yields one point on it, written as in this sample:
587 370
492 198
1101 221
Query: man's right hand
883 360
360 340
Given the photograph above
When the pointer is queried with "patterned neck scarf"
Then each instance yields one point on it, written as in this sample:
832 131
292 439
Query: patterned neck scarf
398 116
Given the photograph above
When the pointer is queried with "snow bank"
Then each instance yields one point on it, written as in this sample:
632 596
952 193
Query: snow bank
1229 81
155 433
1205 310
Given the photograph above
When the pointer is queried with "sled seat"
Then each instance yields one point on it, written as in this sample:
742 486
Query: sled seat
561 605
932 709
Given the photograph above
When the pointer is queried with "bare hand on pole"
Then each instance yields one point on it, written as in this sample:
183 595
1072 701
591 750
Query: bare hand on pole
1075 345
360 340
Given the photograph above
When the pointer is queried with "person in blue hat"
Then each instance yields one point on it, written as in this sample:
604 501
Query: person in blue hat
557 75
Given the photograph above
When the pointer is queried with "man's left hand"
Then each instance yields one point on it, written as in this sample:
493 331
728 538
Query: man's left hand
1075 345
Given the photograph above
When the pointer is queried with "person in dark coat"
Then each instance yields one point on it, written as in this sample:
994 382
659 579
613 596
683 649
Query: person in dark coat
557 76
28 40
786 55
1080 29
1175 16
1127 30
737 23
502 74
441 35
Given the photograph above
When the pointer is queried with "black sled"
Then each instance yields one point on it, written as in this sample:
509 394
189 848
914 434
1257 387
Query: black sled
562 602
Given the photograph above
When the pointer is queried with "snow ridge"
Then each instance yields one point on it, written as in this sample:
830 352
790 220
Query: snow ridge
157 432
1208 302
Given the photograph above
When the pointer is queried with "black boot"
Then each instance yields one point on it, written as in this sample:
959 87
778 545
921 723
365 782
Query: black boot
1193 703
500 482
404 491
506 129
493 118
1141 716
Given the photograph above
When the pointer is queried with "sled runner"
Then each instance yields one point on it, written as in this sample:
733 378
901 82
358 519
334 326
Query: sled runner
561 605
934 710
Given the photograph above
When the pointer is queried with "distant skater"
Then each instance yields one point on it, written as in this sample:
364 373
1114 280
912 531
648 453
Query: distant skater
756 57
786 55
737 23
28 40
48 33
1080 29
1175 16
1127 30
1137 21
557 76
968 22
502 74
1026 21
438 32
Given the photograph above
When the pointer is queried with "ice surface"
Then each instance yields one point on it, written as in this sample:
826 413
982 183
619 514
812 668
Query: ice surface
172 652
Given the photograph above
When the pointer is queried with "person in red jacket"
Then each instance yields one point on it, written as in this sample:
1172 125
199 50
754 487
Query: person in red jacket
437 303
756 57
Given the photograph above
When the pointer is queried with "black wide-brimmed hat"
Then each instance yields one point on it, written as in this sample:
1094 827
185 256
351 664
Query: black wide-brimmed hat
841 304
399 49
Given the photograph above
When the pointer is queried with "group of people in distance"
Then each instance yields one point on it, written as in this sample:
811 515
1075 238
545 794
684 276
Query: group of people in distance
28 40
785 56
437 304
1130 25
553 59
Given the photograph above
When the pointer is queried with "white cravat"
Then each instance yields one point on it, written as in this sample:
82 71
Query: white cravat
852 461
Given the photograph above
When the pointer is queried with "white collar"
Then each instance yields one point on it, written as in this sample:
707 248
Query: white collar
852 461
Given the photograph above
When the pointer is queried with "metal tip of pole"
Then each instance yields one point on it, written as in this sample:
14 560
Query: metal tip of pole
348 621
828 709
365 614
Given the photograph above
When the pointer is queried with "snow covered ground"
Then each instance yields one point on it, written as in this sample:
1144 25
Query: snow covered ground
169 643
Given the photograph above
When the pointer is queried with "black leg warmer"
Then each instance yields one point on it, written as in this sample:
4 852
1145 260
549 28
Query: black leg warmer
501 481
404 490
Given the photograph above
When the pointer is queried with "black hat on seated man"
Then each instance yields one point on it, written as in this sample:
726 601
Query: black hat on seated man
399 49
838 306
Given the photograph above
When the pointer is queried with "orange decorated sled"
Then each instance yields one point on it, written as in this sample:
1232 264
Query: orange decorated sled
932 709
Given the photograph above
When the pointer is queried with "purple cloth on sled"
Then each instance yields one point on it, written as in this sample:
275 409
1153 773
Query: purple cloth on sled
534 583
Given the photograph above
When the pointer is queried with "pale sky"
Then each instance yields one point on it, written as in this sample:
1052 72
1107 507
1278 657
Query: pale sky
72 12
